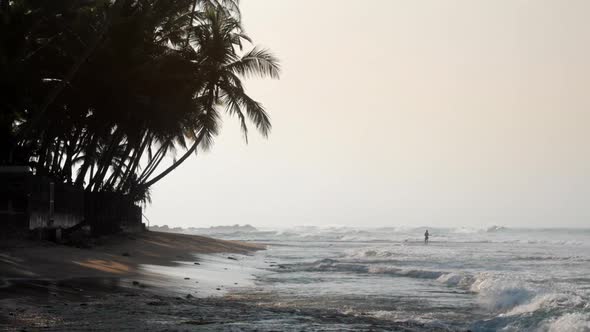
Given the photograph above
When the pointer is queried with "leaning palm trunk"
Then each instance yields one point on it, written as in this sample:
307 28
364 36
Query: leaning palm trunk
127 183
106 161
190 151
88 161
153 164
110 183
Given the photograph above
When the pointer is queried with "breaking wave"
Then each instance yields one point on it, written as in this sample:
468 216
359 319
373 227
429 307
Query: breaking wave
572 322
498 279
506 295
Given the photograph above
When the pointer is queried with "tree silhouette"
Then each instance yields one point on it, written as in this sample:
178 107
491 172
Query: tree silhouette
100 93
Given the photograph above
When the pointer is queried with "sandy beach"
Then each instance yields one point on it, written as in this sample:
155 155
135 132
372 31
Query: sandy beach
150 282
43 285
115 256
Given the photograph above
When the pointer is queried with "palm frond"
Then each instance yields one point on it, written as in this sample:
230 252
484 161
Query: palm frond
233 108
208 126
258 62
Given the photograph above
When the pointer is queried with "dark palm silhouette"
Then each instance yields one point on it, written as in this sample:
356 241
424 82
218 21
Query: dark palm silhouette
99 94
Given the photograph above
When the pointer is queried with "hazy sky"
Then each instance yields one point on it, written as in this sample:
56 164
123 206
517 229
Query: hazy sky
404 113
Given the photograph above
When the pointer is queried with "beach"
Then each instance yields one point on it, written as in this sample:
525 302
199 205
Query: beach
465 279
49 286
150 281
302 279
114 256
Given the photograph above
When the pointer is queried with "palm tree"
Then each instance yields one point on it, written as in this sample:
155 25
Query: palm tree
216 39
99 93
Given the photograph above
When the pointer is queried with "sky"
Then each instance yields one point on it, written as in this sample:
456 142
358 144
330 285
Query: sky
426 113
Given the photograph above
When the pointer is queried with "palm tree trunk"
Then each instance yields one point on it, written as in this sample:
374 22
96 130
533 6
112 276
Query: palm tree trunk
106 161
153 163
88 160
117 172
126 181
70 151
91 173
177 163
132 158
56 157
67 169
41 161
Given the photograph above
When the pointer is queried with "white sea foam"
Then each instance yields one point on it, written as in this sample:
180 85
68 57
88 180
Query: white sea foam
463 280
523 280
372 253
571 322
548 302
401 316
507 295
466 230
499 293
495 292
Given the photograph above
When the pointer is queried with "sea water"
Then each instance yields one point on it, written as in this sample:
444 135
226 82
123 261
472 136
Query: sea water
496 279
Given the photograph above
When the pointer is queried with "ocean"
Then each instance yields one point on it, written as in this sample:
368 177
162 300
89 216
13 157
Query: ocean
496 279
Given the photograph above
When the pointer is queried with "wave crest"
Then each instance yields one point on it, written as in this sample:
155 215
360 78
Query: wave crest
571 322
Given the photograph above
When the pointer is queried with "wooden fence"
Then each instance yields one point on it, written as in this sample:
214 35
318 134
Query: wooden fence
29 202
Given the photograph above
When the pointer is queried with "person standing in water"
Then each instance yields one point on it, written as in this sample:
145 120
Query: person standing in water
426 237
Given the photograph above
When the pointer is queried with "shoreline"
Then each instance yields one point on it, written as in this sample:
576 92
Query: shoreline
111 272
151 282
115 256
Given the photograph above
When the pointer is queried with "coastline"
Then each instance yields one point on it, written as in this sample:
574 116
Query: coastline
114 256
151 282
40 282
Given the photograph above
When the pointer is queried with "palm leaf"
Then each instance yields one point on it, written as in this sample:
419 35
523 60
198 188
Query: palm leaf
257 62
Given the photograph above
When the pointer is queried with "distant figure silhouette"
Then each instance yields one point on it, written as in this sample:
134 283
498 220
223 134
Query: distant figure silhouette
426 237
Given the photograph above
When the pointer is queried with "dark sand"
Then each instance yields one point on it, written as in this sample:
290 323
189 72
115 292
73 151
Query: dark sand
47 286
117 256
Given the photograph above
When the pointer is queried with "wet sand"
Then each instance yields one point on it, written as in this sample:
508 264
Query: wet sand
42 284
125 309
